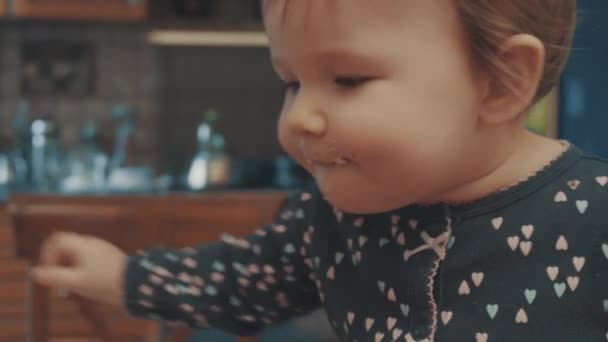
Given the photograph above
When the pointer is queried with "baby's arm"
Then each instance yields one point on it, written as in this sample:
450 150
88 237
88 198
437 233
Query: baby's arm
238 285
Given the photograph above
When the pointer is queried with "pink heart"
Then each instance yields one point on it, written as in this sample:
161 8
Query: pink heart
350 317
395 219
521 317
579 263
481 337
392 296
413 224
446 317
368 323
359 222
560 197
573 283
527 230
552 272
397 333
513 242
561 244
464 288
497 222
379 337
362 241
573 184
390 323
477 278
305 196
401 239
526 247
331 273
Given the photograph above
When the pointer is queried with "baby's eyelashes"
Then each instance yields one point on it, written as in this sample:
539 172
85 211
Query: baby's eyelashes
292 86
351 81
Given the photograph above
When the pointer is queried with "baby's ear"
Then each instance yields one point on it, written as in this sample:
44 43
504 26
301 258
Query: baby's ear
511 93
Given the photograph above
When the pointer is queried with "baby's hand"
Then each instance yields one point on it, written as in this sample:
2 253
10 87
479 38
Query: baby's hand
84 265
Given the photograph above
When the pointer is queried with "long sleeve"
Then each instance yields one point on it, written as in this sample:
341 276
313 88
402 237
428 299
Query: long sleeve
236 285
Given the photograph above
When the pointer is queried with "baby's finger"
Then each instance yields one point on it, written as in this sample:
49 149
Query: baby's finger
56 277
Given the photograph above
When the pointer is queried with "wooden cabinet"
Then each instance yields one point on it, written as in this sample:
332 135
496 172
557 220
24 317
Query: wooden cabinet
3 7
113 10
131 223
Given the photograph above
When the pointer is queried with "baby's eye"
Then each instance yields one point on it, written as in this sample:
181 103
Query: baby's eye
292 87
351 81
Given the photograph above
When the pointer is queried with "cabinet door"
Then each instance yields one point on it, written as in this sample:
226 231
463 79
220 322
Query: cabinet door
120 10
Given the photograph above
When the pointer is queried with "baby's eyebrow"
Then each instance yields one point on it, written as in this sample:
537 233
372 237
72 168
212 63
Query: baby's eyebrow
331 56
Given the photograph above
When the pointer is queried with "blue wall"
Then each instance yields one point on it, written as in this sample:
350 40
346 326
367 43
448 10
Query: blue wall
584 100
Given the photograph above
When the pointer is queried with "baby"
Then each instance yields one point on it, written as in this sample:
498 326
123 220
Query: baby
436 215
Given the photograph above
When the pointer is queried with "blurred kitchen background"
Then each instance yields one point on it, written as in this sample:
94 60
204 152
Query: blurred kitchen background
135 103
135 96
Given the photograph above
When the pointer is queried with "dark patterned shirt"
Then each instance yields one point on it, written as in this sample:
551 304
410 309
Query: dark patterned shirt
529 263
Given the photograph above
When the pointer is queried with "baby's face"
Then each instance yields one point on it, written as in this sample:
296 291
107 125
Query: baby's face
381 98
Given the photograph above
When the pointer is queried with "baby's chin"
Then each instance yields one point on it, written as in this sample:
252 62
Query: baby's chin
349 201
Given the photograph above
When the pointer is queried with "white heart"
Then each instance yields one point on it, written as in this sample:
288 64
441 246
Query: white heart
379 337
383 242
606 305
339 257
497 222
451 242
582 206
560 197
446 316
605 250
530 295
559 288
602 180
405 309
527 230
381 286
492 310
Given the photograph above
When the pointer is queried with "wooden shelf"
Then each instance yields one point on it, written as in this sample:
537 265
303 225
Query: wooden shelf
208 38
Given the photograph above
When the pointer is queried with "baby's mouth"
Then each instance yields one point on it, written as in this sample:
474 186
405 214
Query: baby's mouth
339 161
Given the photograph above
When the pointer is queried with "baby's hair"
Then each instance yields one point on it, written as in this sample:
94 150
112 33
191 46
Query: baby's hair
489 23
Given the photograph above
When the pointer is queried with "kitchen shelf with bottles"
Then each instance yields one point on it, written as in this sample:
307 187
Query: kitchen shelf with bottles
219 23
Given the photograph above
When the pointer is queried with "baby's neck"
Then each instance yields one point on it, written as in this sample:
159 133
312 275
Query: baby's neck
529 157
